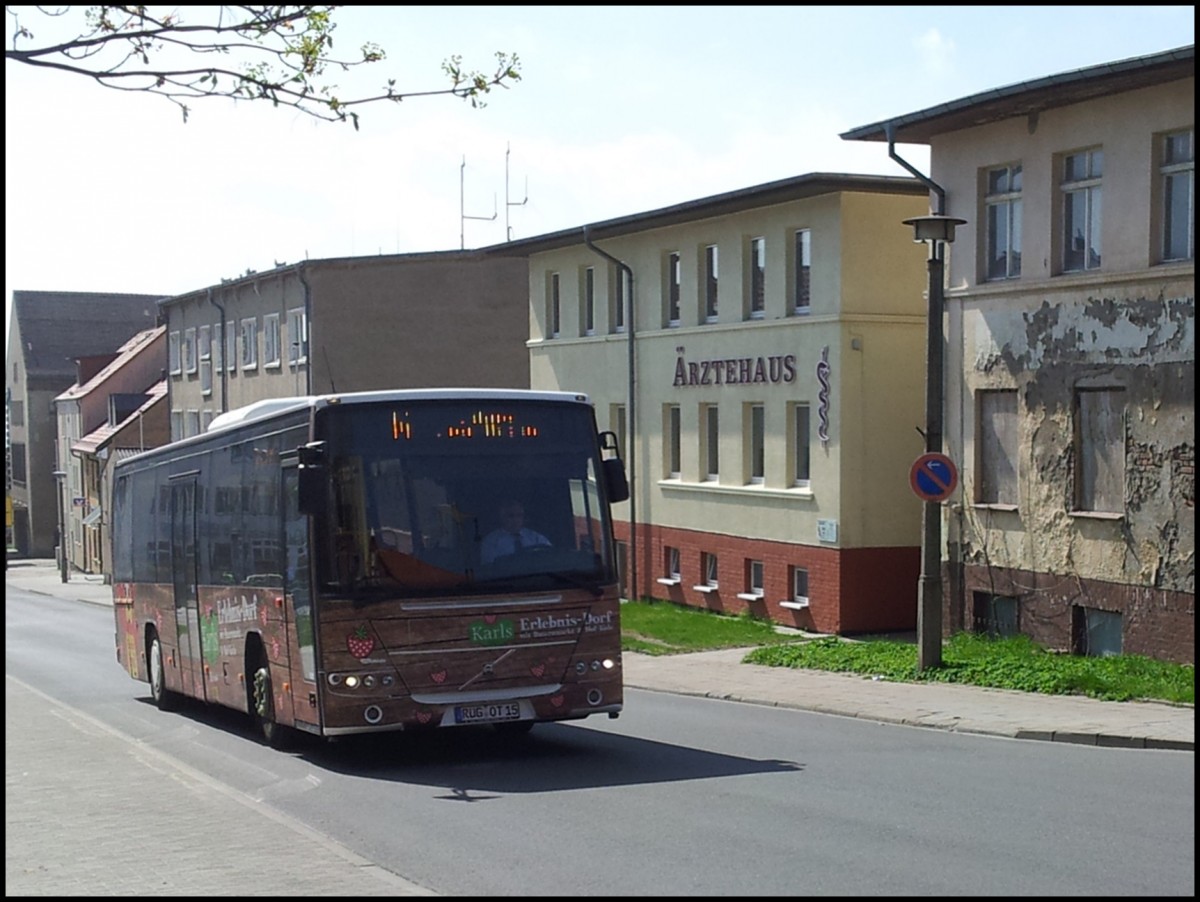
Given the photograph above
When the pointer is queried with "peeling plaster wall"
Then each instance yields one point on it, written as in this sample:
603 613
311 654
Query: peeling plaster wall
1141 344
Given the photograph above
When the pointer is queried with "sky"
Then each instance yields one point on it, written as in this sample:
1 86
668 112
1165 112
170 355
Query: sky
619 110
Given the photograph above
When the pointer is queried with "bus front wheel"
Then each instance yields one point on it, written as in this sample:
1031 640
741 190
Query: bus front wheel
262 702
164 698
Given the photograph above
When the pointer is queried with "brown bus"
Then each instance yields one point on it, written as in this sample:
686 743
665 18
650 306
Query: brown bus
391 560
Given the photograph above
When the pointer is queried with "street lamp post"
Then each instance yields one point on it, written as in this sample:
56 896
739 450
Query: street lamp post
938 230
60 479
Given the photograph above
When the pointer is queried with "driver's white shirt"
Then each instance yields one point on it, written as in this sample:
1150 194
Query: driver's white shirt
501 542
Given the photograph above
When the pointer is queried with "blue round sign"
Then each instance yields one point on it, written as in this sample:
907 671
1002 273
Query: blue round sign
933 477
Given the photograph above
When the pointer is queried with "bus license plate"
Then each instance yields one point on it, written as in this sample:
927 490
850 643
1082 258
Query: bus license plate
490 713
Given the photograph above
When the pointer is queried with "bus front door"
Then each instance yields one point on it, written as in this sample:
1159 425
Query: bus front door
183 574
298 605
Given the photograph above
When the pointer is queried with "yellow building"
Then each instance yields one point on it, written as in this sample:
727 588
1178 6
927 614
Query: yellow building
760 356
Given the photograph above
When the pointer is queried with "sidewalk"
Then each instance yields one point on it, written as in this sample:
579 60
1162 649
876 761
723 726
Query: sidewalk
720 674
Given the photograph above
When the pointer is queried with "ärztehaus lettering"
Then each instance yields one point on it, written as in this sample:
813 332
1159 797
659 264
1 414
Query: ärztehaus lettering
735 370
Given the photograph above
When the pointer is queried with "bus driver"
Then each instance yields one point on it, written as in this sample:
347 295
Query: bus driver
512 535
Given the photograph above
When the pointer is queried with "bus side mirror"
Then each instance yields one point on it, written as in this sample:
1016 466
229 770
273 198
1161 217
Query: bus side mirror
312 479
614 468
618 484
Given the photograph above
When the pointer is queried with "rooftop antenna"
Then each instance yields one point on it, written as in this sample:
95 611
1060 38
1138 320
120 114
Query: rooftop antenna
463 217
507 202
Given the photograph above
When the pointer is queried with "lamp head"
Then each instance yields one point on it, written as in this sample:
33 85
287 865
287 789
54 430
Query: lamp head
934 227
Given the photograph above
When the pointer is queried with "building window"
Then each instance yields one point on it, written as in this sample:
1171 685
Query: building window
755 442
708 571
710 284
623 280
206 375
1002 215
174 367
799 587
1094 632
271 340
17 461
1100 450
1081 174
204 342
711 443
587 316
231 348
996 615
189 351
297 337
671 431
177 425
218 347
623 568
801 287
998 444
801 452
16 413
249 343
670 575
1178 175
758 277
674 281
193 423
554 306
754 581
206 417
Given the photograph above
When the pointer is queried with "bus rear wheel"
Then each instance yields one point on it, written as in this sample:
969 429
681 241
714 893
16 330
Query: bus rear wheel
262 706
164 698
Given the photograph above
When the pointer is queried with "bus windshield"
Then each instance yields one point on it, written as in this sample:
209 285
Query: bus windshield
437 497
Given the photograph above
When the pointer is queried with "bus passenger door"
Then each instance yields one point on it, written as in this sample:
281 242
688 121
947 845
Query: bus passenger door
298 604
183 574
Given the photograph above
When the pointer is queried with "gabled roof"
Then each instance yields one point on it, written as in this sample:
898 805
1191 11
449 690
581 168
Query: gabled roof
798 187
57 327
125 355
99 438
1029 97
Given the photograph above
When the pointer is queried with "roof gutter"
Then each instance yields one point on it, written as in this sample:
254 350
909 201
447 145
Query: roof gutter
889 129
630 427
307 337
224 347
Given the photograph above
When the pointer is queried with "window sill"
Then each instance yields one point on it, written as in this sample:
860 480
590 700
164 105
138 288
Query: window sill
794 605
1096 515
668 581
705 589
796 493
272 366
988 506
750 596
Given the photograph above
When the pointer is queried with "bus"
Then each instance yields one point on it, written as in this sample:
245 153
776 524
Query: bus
318 563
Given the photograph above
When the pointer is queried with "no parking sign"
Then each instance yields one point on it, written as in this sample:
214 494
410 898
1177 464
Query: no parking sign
933 477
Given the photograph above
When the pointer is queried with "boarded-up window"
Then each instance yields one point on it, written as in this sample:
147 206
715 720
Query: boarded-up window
1100 475
997 448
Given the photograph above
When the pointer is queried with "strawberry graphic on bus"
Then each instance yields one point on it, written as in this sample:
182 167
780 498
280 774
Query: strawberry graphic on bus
360 643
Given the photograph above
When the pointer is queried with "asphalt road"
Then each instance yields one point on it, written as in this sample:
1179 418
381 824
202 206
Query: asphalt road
680 795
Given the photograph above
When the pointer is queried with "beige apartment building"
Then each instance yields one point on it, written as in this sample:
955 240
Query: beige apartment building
114 411
454 318
759 356
1070 367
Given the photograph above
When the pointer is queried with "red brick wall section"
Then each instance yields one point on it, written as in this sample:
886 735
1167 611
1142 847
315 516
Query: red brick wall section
850 590
1154 622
